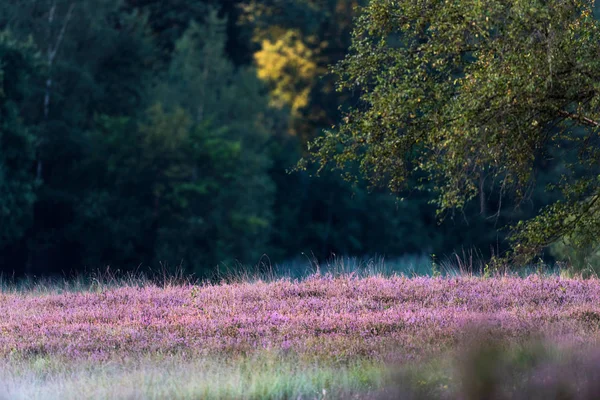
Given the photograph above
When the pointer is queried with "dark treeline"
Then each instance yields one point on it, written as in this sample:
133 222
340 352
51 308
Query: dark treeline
139 132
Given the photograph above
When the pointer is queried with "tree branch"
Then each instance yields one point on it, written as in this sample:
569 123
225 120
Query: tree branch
580 118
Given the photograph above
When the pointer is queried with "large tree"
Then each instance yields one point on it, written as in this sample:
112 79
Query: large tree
469 92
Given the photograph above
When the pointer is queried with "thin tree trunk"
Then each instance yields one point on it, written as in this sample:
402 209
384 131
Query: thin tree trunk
52 50
50 58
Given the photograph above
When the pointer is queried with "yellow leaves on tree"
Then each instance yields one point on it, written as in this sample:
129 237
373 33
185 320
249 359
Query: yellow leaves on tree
288 65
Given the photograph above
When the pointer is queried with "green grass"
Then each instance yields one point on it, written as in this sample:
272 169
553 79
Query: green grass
260 376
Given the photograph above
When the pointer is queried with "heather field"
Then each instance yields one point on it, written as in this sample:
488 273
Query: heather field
320 337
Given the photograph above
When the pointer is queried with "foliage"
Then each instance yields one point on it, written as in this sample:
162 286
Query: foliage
584 261
139 132
210 88
297 42
580 248
93 58
179 173
470 91
18 75
286 63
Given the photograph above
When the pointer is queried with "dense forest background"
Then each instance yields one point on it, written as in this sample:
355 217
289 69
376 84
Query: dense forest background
146 132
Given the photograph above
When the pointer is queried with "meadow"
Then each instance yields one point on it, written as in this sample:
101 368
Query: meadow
343 335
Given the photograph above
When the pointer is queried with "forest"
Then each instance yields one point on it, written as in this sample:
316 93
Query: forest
144 133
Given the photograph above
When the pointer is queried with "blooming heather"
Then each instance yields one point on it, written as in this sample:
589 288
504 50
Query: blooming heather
341 317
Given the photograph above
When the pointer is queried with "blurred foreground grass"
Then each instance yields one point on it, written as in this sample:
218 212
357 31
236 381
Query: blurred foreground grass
497 370
260 376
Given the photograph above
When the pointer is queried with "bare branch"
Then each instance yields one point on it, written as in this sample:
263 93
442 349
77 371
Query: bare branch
579 117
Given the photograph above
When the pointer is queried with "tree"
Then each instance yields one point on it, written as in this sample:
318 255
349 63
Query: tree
471 92
296 43
229 106
19 70
169 20
186 182
95 58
